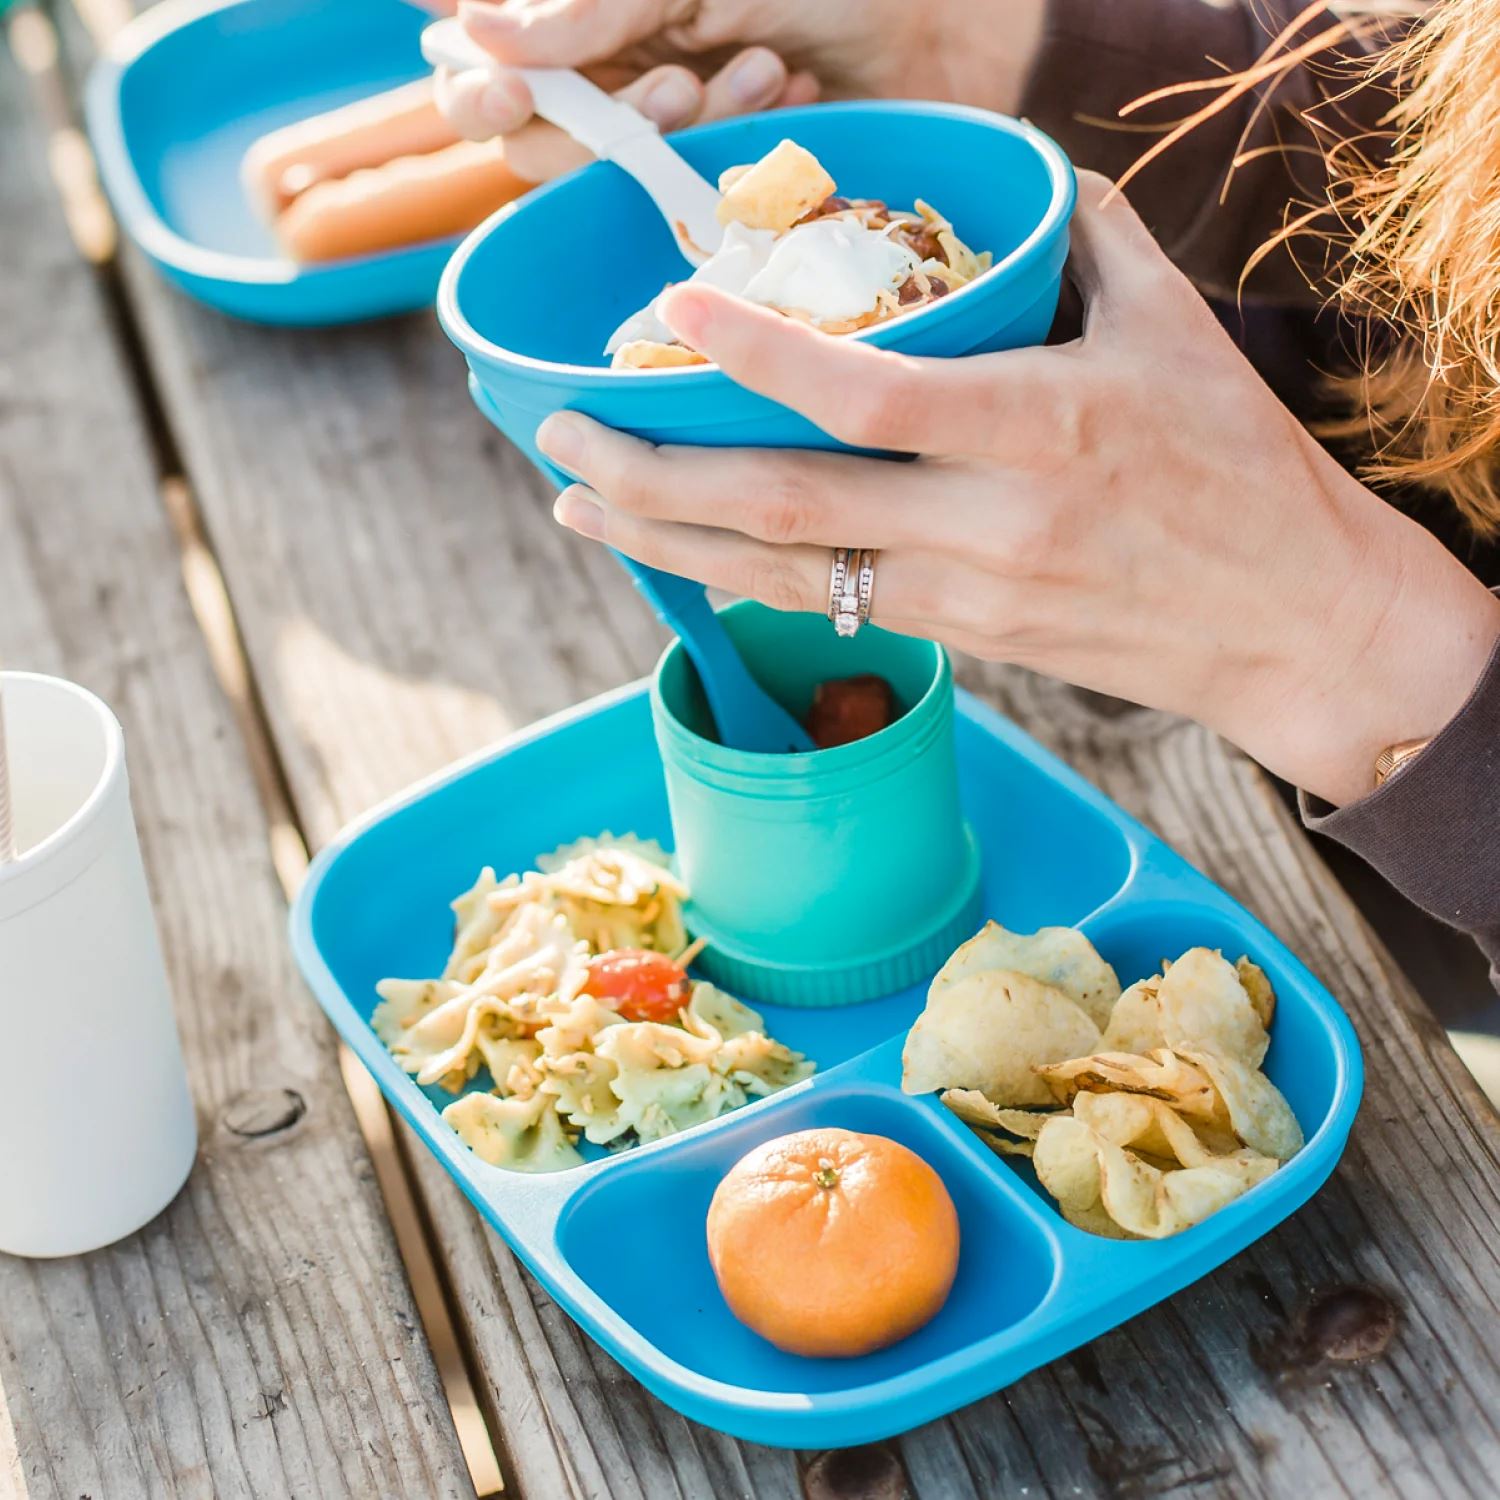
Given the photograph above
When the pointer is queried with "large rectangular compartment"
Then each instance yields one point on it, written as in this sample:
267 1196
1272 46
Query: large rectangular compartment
619 1241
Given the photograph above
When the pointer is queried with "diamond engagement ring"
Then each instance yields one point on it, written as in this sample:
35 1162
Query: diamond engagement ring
851 586
843 603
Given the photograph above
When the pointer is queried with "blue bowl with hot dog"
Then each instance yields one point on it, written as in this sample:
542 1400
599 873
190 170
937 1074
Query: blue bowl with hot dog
533 294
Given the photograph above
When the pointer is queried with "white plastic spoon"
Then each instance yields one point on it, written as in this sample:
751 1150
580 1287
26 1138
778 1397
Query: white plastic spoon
611 129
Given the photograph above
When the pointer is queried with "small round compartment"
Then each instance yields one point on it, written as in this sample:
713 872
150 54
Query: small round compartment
636 1237
825 878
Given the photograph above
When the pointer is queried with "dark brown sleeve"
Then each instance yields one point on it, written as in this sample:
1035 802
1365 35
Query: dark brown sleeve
1099 55
1433 829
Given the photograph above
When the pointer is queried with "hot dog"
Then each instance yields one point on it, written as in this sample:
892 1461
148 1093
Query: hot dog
401 122
401 202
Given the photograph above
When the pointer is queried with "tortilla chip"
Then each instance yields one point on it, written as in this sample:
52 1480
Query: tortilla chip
647 354
786 183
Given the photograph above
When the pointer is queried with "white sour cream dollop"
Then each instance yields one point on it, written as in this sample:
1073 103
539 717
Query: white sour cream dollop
830 270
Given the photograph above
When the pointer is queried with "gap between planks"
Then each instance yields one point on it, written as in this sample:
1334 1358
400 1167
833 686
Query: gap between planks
33 41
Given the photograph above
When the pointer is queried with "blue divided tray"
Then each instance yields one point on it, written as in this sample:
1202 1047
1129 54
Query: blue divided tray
184 91
619 1241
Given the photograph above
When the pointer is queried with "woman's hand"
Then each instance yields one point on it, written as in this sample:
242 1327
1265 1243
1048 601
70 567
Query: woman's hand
793 50
1133 512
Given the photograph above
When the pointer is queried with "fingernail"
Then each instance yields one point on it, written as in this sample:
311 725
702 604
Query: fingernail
560 439
756 77
502 104
577 512
671 101
686 314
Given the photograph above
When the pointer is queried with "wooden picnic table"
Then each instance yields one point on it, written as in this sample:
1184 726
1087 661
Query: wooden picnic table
305 572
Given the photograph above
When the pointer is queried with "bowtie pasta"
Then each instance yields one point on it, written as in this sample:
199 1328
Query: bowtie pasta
564 1063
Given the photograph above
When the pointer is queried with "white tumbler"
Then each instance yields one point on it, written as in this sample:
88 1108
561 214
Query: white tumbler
97 1131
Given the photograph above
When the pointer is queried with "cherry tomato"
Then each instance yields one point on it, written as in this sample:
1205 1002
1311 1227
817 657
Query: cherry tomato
641 985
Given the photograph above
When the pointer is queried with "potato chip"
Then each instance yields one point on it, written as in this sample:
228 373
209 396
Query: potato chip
1002 1145
1204 1006
1096 1220
1258 987
1153 1127
1161 1075
1154 1204
1140 1122
988 1032
1060 956
1256 1110
974 1109
1066 1158
1134 1024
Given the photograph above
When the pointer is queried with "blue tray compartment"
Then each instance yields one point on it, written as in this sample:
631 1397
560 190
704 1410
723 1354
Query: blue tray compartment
185 90
619 1241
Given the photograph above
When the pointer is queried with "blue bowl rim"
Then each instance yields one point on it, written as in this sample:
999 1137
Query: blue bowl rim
1059 210
132 203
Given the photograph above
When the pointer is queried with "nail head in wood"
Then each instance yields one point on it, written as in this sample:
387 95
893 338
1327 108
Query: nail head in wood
869 1473
1349 1323
259 1113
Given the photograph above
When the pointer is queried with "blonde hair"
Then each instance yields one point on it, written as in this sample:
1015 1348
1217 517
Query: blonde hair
1415 251
1425 261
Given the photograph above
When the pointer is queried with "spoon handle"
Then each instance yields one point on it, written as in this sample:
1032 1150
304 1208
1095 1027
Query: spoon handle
610 128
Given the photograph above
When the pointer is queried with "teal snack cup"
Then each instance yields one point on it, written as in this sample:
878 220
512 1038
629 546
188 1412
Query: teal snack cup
825 878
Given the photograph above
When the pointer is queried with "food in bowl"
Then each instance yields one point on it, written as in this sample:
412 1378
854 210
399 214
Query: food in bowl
831 1244
1143 1111
792 244
569 986
846 709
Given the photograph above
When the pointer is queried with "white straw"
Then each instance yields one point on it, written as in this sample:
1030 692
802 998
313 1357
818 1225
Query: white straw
7 823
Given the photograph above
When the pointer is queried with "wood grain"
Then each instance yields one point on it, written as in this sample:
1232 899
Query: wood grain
258 1337
405 598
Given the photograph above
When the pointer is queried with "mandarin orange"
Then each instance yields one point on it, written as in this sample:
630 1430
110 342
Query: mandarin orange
829 1243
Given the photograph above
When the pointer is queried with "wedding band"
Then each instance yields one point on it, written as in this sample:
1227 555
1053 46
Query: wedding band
864 588
843 595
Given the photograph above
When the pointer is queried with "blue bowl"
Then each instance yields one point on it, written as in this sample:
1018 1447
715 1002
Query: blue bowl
534 342
182 93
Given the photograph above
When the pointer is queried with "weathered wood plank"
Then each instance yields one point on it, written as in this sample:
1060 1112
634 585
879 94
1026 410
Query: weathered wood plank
1176 1399
258 1337
405 597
